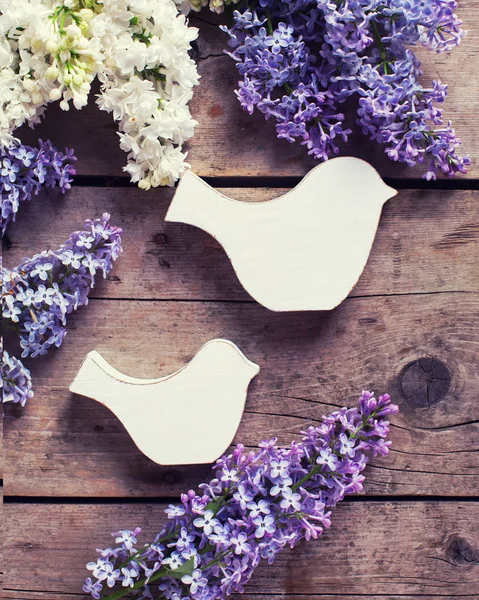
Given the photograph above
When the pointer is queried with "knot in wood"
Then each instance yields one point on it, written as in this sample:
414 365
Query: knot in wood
461 552
160 239
170 477
424 382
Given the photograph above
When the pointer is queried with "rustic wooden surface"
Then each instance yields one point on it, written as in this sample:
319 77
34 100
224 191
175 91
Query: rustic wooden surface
230 142
64 445
435 555
427 241
410 326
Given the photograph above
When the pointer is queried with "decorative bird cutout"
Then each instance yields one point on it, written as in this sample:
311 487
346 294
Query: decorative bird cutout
302 251
189 417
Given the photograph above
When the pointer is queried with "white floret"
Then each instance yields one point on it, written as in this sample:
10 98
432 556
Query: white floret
138 49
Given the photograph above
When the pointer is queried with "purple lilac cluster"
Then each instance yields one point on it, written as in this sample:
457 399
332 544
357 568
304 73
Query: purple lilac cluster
24 170
301 60
16 381
41 291
258 503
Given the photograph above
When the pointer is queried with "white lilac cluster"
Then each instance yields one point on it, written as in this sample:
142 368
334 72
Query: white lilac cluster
52 50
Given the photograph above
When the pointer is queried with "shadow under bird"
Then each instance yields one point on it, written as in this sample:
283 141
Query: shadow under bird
302 251
189 417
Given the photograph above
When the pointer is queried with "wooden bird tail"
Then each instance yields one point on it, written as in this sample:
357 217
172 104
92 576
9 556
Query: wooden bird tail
197 203
93 379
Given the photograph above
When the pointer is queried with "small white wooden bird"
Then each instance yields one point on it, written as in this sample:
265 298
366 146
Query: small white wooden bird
189 417
302 251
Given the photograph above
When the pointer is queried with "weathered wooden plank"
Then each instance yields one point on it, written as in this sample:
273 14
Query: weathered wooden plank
1 448
230 142
426 242
37 595
71 446
3 531
435 552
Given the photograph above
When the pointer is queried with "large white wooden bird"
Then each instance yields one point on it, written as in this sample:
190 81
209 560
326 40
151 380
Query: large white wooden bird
189 417
302 251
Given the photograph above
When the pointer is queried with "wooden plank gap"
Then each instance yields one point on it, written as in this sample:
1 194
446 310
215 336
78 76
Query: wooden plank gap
246 301
99 501
273 595
274 182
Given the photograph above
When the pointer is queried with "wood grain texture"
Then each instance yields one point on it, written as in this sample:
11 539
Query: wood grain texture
410 327
427 241
47 548
3 531
1 448
230 142
310 362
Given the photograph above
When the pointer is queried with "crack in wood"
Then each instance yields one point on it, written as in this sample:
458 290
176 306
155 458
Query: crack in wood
315 420
445 427
382 467
251 301
310 400
461 235
437 454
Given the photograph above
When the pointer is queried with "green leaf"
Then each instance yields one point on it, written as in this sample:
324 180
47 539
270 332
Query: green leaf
214 505
186 569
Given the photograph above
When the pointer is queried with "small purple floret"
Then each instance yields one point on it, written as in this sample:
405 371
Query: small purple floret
41 291
24 170
300 61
